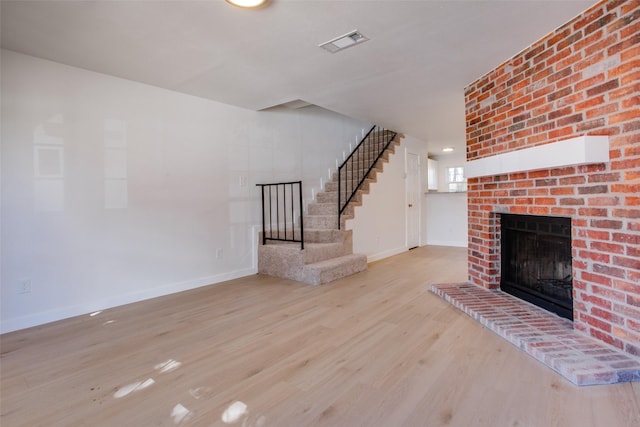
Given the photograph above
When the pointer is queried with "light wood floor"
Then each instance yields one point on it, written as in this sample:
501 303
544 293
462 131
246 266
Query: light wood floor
375 349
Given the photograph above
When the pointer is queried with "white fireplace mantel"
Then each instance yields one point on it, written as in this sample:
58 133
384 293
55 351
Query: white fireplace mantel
575 151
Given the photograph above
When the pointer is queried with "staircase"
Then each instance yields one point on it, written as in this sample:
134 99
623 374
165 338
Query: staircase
328 247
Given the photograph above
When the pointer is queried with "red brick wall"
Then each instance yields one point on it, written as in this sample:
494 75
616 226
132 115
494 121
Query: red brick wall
582 79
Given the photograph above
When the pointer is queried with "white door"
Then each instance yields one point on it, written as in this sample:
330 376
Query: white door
413 199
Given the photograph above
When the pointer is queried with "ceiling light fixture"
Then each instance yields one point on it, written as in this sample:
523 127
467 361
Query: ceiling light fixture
447 149
339 43
248 4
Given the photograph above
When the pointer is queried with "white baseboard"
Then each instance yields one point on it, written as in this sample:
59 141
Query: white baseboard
386 254
115 301
56 314
456 243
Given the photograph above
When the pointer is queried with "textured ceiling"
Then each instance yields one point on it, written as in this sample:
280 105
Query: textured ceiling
409 76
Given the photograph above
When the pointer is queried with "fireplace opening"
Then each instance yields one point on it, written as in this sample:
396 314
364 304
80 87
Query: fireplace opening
536 261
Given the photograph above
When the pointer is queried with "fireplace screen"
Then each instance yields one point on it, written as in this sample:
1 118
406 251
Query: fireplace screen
536 261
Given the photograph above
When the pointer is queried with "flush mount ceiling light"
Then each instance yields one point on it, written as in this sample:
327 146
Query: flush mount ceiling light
447 149
339 43
249 4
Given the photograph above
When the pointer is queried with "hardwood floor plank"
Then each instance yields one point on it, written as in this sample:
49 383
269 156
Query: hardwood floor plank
373 349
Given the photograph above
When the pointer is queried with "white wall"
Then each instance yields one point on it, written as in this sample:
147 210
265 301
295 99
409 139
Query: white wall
445 161
115 191
446 215
379 226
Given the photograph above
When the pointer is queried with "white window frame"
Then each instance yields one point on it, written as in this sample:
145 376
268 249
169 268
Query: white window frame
456 182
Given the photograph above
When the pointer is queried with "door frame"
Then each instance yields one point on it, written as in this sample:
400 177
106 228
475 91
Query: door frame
408 183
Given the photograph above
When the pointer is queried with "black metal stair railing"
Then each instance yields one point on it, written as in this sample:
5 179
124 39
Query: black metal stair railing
355 169
282 217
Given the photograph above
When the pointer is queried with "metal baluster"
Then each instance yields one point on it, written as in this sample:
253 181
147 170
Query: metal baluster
301 219
284 209
264 233
339 194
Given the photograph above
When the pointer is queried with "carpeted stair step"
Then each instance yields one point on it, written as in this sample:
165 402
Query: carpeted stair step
317 252
327 197
322 208
358 170
313 252
321 221
327 209
333 185
357 174
333 269
332 197
288 261
315 235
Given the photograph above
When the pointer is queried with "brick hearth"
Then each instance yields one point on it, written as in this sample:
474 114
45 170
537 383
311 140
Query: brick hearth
544 336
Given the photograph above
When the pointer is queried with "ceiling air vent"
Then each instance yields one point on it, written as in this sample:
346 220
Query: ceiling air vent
339 43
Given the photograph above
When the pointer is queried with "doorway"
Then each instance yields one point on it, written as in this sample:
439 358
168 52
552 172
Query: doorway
412 168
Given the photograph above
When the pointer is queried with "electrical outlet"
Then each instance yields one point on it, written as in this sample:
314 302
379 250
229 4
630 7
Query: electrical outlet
219 253
242 181
24 286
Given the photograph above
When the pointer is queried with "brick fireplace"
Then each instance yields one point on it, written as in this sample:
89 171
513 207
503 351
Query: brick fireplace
581 80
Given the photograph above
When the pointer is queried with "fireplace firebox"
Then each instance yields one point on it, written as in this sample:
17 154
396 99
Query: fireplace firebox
536 261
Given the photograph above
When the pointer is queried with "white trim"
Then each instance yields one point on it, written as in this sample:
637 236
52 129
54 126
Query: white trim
575 151
36 319
386 254
417 202
455 243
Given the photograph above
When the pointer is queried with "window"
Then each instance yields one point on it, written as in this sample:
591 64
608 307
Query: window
455 179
